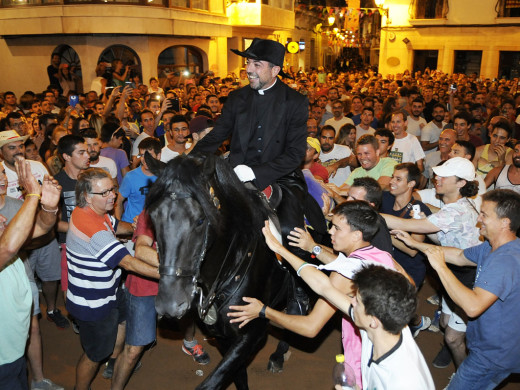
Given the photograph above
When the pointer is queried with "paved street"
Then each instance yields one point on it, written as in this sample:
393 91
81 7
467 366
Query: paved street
167 367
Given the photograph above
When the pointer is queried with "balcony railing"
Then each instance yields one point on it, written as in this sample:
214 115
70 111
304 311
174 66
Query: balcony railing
189 4
508 8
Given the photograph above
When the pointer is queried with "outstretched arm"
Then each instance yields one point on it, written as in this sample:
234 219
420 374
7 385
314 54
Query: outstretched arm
316 280
308 326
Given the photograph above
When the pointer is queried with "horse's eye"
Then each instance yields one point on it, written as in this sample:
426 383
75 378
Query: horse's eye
200 221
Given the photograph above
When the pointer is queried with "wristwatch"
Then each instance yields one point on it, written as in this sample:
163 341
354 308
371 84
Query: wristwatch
316 250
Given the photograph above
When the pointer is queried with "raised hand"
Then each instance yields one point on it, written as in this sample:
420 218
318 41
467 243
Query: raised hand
246 313
51 191
25 177
301 239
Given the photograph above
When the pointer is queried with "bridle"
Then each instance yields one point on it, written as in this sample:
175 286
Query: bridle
186 272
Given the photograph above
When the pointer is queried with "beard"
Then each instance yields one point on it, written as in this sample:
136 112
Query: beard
93 157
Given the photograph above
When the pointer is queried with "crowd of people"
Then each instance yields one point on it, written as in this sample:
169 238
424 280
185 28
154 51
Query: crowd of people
409 169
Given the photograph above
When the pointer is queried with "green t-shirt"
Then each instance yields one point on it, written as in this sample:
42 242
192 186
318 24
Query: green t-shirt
385 167
15 300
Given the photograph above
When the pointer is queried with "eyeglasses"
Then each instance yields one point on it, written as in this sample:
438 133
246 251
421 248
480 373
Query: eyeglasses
105 193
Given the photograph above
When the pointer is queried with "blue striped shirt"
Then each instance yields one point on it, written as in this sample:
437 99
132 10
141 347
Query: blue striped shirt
93 256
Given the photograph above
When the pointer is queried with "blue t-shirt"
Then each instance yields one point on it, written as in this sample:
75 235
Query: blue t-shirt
134 188
494 335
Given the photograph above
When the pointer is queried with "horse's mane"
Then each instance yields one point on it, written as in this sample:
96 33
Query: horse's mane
241 211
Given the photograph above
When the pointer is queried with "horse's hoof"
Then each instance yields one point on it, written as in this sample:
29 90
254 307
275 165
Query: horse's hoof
275 366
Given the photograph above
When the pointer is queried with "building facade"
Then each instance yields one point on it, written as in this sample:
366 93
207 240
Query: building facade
461 36
153 37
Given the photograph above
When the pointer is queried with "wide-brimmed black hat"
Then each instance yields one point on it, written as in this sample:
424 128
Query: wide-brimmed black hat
265 50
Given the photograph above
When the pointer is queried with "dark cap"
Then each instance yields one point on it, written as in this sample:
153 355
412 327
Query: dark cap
200 123
265 50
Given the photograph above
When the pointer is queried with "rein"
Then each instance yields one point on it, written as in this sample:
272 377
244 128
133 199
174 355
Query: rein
204 304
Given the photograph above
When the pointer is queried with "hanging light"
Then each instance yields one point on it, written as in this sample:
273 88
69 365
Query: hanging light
331 19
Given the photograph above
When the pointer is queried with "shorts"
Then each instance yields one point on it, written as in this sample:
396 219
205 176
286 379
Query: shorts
455 322
64 268
34 289
13 376
45 261
141 320
98 338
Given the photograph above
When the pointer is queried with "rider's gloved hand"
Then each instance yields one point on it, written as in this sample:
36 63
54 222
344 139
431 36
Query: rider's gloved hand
244 173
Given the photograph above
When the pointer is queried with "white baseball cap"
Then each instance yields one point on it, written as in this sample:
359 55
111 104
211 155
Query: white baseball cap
456 166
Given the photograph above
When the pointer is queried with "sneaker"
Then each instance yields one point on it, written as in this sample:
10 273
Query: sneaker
108 372
424 324
45 384
109 368
59 320
197 353
443 358
435 326
434 300
75 326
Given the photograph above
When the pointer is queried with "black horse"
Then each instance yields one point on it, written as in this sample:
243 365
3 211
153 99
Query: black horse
208 230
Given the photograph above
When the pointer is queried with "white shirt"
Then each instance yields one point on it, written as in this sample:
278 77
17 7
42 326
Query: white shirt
337 153
360 131
407 149
338 124
431 133
107 164
135 147
13 190
167 154
401 368
414 126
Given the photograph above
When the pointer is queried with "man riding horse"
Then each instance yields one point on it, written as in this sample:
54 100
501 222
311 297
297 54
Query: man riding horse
267 123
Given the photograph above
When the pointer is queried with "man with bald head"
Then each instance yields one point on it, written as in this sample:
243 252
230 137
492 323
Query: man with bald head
446 141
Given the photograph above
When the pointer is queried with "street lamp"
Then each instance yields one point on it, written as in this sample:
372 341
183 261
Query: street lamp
381 5
331 19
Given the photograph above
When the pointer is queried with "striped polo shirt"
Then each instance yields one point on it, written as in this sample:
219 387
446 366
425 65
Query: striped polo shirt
93 255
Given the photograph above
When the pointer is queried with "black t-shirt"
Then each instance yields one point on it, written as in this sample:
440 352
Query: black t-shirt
382 239
415 266
67 199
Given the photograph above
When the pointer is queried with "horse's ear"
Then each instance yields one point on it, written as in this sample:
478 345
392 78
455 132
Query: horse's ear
155 166
208 169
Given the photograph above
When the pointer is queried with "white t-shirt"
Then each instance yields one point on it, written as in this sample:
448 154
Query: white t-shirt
13 190
402 368
337 153
414 126
167 154
407 149
107 164
135 147
431 160
338 124
360 131
431 133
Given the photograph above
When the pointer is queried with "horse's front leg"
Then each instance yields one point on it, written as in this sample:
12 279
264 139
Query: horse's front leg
236 355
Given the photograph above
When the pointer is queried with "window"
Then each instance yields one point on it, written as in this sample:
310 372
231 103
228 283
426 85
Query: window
70 57
423 59
195 4
467 61
508 8
126 55
509 64
178 59
429 9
